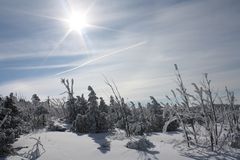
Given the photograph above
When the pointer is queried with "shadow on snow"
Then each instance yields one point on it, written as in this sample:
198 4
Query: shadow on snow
101 140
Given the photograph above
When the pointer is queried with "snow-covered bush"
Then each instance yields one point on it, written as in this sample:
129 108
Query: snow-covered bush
236 141
80 124
55 127
118 134
155 115
136 128
40 117
142 144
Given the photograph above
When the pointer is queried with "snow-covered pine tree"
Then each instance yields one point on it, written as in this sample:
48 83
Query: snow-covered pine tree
81 123
10 127
104 118
113 113
134 118
93 114
103 107
35 99
81 105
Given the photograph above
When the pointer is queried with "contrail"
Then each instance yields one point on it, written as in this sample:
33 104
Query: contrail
104 56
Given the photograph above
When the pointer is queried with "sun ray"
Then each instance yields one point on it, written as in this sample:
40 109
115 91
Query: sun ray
106 28
56 46
90 7
39 15
83 43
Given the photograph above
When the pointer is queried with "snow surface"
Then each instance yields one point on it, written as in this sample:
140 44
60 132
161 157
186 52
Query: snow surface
70 146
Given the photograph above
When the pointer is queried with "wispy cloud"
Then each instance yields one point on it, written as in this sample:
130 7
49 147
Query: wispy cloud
41 67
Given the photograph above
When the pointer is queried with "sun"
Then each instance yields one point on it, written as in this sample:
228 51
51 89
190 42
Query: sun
77 22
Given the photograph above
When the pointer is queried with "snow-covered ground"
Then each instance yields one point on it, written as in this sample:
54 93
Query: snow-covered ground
70 146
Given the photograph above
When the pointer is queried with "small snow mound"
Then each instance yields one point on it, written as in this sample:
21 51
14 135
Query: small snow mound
142 144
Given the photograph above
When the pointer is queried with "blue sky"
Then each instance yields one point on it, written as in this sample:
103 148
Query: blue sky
200 36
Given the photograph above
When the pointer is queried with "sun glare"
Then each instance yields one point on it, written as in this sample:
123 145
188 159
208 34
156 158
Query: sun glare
77 22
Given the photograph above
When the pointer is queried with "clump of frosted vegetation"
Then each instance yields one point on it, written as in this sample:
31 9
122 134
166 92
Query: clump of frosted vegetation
141 144
118 134
55 127
236 141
